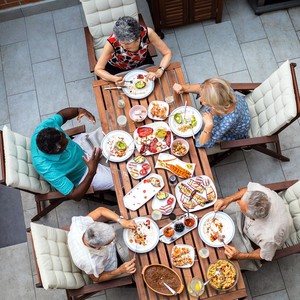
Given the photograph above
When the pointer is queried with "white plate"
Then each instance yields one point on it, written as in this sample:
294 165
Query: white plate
142 192
150 137
194 183
227 230
131 91
110 140
177 235
162 104
190 111
138 167
159 204
191 254
152 235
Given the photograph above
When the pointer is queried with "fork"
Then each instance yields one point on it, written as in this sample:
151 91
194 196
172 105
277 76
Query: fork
218 272
190 123
221 239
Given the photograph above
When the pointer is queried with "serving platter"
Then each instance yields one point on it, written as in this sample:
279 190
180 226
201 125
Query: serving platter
182 256
144 237
175 165
177 235
108 145
138 170
143 191
131 91
192 115
196 193
209 227
149 139
158 110
166 205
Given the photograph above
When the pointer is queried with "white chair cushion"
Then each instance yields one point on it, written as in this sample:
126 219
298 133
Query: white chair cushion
54 260
101 16
291 197
272 104
19 170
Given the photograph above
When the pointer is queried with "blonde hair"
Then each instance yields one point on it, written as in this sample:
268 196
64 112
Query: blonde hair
217 93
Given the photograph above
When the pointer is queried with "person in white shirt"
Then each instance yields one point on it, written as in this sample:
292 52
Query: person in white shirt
93 245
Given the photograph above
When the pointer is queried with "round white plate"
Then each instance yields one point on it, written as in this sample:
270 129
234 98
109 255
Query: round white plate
191 254
138 167
131 91
162 104
152 235
157 204
111 138
228 229
188 114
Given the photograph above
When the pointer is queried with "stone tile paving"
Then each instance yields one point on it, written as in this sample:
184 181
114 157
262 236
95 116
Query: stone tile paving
44 67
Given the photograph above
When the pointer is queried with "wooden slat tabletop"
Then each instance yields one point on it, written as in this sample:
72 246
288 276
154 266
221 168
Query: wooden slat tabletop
108 112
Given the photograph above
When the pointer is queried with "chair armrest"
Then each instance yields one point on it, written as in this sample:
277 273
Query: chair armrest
247 142
244 86
280 186
90 49
286 251
75 130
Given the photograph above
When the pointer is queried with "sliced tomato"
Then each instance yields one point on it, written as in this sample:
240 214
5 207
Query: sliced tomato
144 131
143 172
170 201
146 166
140 76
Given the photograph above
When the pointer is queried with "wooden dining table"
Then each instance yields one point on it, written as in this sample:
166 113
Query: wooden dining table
108 113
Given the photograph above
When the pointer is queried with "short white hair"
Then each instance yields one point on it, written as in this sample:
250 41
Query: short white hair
99 234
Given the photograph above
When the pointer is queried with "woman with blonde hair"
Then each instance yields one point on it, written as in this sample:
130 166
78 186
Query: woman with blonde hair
225 113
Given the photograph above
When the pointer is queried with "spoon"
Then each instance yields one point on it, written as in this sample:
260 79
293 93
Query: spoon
170 289
218 272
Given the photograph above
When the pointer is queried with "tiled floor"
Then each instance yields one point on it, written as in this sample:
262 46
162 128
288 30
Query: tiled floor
44 68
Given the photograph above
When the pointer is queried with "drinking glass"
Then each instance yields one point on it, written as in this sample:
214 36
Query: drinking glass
169 99
156 214
195 287
122 120
203 252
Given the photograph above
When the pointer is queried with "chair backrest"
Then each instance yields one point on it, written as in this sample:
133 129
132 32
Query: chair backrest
273 104
19 170
291 197
101 16
55 265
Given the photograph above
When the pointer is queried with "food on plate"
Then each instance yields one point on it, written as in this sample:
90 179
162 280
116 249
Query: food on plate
117 147
184 127
121 145
134 172
197 185
143 172
181 256
179 171
193 121
144 131
146 166
166 209
178 118
187 202
210 193
185 189
161 132
140 76
158 110
189 222
138 115
179 227
199 199
168 231
226 279
132 164
139 159
212 227
179 149
142 234
162 195
140 84
154 181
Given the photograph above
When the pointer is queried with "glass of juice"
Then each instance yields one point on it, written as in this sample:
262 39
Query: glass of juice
195 287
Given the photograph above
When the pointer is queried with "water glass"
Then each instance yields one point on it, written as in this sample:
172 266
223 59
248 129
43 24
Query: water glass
195 287
169 99
156 215
122 120
203 252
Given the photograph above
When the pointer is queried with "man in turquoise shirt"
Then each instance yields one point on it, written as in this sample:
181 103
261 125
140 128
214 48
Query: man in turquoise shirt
62 162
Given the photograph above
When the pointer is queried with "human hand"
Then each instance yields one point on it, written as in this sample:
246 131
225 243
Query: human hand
220 204
128 223
231 252
128 267
94 160
83 112
152 76
208 120
178 88
119 81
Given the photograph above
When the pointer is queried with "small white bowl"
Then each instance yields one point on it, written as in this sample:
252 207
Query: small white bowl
138 113
184 143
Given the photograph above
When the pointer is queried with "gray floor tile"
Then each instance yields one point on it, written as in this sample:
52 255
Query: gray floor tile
289 267
1 67
12 32
122 293
4 113
281 35
28 201
287 136
73 53
195 33
67 19
21 122
290 169
232 158
266 280
49 220
295 17
247 25
41 37
242 76
18 278
261 64
280 295
50 86
222 36
21 79
171 41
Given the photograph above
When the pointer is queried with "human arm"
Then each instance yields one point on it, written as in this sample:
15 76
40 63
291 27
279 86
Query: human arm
70 113
100 66
126 268
208 121
233 253
186 88
221 204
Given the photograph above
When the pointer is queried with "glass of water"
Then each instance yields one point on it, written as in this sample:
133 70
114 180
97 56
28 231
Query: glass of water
195 287
203 252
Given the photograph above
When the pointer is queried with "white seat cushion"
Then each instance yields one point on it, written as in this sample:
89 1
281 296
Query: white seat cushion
19 170
101 16
272 104
54 260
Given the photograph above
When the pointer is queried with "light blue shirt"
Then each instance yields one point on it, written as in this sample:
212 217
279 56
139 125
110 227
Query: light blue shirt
64 170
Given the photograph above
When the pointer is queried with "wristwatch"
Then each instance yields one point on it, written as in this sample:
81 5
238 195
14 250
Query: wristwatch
120 218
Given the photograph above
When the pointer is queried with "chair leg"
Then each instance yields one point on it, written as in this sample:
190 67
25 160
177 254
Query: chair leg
53 204
276 154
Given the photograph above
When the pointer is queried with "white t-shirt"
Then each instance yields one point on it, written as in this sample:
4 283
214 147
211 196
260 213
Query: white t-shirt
272 231
90 260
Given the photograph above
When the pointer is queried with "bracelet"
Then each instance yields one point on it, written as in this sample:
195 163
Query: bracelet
208 132
162 68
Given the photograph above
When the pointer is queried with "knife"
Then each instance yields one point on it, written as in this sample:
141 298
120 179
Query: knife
116 87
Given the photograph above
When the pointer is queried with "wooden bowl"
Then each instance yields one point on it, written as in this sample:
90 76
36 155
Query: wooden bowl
154 275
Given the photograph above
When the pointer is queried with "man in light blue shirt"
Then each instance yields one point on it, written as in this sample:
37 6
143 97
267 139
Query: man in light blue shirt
62 162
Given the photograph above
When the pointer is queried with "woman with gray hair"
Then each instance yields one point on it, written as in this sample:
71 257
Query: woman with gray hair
127 48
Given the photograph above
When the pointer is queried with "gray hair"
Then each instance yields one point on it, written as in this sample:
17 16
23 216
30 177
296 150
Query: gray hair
99 234
127 29
258 204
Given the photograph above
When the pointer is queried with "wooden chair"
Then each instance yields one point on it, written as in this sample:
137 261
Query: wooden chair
101 16
18 172
273 105
56 270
